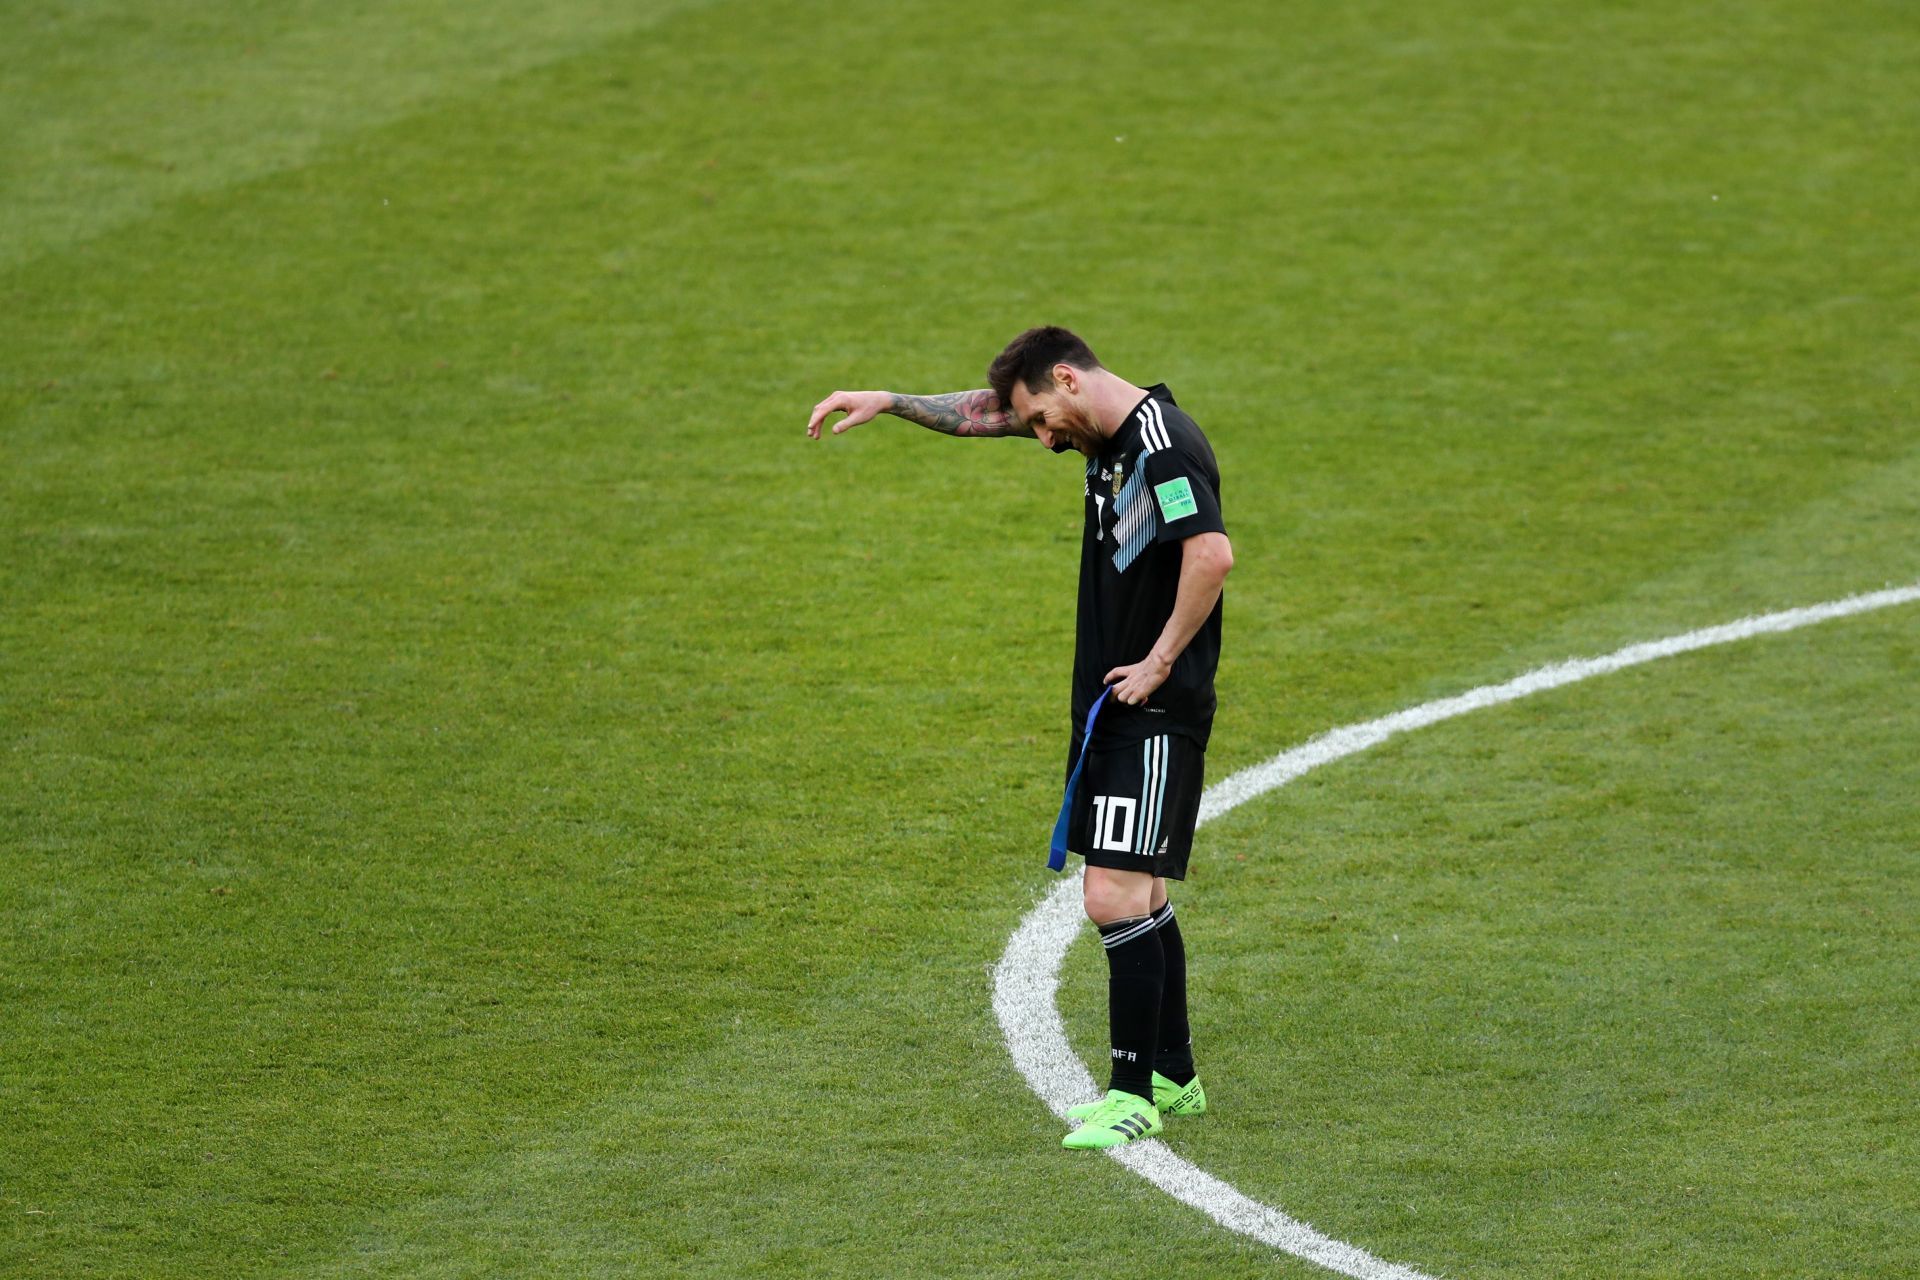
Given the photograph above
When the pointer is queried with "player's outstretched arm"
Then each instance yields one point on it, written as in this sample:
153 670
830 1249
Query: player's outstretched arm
955 413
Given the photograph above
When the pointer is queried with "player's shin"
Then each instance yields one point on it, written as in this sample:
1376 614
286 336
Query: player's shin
1136 975
1173 1057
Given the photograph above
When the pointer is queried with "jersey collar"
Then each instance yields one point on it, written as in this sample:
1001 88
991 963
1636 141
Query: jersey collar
1127 439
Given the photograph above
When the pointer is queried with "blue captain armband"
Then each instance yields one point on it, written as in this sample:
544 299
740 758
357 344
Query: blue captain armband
1057 848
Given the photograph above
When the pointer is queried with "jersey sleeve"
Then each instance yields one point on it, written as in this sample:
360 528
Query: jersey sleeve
1185 500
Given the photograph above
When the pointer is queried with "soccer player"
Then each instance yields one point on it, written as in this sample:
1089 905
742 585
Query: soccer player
1152 560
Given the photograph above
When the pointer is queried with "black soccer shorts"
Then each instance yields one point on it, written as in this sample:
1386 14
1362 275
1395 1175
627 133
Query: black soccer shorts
1135 807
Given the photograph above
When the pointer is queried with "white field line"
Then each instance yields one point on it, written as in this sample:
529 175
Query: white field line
1028 975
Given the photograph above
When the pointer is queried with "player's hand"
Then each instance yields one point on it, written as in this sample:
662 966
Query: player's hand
859 406
1136 682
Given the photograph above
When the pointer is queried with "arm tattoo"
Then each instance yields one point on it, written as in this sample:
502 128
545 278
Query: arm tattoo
959 413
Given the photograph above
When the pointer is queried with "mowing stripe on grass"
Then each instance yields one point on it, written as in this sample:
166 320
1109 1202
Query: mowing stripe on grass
1028 975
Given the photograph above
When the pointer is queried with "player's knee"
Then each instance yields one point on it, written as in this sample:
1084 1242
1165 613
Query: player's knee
1110 898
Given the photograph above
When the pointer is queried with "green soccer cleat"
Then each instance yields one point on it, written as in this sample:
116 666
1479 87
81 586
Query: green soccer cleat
1169 1099
1117 1119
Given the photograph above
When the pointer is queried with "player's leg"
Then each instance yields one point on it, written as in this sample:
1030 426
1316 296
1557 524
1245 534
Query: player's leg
1173 1045
1110 829
1136 831
1110 894
1120 905
1175 810
1176 1084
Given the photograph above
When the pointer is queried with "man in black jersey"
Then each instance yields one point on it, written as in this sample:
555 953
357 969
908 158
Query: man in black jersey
1152 560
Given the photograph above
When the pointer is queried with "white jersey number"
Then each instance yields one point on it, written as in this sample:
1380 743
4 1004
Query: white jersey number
1110 812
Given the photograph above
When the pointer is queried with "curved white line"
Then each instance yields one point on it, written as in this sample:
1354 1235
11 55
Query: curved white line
1028 974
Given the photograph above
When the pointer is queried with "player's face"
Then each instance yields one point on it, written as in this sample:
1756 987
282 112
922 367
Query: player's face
1059 423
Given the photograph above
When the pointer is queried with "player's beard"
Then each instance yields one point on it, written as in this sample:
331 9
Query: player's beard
1082 436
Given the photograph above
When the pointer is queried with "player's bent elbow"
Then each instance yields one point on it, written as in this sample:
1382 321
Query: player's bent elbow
1217 552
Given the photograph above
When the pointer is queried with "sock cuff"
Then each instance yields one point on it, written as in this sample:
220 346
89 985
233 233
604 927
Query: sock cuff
1163 916
1118 933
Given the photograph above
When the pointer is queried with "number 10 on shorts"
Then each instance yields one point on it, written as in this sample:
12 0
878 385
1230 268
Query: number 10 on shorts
1110 812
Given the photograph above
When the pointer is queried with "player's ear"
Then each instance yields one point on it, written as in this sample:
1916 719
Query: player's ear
1067 378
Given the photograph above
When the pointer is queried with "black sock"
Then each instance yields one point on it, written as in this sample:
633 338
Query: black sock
1136 970
1173 1056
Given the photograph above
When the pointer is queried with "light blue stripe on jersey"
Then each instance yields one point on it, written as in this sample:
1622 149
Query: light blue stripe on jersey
1153 792
1135 520
1159 790
1144 844
1134 531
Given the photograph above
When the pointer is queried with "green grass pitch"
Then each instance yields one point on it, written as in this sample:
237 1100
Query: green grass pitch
483 795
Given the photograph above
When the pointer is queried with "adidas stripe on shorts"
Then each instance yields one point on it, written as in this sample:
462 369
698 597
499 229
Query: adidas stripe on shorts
1136 804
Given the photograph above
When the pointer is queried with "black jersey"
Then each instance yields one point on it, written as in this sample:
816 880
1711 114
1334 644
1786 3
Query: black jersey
1155 485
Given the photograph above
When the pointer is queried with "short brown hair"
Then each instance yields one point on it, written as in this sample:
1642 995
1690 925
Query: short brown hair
1029 360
